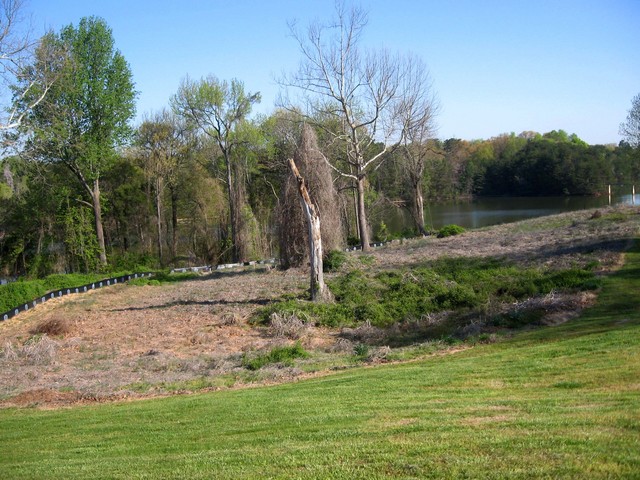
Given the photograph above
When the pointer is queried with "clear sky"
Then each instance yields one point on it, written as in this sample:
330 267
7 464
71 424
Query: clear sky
497 66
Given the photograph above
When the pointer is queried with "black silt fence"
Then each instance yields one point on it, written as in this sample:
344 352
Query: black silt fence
68 291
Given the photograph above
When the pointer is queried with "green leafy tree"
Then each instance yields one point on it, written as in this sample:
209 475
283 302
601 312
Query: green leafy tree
128 211
85 115
29 229
162 141
220 110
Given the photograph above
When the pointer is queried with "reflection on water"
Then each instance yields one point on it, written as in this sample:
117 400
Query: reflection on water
483 212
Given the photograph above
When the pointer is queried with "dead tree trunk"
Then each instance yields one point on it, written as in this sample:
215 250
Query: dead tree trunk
319 290
418 208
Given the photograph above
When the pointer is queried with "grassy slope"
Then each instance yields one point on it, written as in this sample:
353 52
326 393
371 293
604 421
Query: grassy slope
556 402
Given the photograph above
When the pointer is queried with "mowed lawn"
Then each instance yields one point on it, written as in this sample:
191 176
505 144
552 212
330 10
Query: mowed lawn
558 402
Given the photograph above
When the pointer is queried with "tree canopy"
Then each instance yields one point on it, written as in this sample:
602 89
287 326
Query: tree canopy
85 114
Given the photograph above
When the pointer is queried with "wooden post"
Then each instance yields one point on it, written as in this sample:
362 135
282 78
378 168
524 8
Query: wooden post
319 290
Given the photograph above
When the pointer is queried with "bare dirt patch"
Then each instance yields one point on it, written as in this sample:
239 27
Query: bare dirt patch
110 343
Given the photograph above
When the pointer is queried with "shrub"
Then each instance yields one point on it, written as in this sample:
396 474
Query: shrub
16 293
361 350
353 241
450 230
59 281
163 277
133 262
333 260
281 355
573 278
382 235
391 296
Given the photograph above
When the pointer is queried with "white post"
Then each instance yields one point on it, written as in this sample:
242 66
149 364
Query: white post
609 194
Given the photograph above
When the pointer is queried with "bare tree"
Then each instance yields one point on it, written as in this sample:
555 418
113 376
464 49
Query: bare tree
418 111
355 95
19 55
631 128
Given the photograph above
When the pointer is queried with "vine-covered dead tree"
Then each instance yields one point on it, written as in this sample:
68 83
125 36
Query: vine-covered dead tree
319 290
293 232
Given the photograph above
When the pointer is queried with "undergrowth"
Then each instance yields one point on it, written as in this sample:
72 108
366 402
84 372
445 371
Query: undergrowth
450 231
17 293
22 291
280 355
409 294
164 277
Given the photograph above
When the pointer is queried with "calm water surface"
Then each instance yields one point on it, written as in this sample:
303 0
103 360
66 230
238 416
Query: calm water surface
483 212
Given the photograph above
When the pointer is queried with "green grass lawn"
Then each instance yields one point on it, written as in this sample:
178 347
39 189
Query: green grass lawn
560 402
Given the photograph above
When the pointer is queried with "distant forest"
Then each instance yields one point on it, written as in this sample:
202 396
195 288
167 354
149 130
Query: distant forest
528 164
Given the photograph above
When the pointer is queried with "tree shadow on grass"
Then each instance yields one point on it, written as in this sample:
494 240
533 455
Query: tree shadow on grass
178 303
213 275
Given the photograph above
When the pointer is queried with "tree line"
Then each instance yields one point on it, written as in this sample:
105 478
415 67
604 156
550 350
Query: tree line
527 164
205 181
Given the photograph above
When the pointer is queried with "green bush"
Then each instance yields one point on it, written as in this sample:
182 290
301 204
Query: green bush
382 235
60 281
16 293
281 355
353 241
163 277
450 230
132 262
573 278
361 350
333 260
391 296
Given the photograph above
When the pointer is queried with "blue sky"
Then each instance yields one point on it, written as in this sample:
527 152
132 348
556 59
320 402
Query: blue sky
497 66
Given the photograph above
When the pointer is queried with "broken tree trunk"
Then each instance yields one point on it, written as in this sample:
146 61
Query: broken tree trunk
319 290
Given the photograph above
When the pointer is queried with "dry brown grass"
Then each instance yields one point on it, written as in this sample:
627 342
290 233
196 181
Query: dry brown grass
124 335
289 325
37 350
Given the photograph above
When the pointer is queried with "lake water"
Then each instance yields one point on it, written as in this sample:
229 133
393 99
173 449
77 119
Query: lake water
486 211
